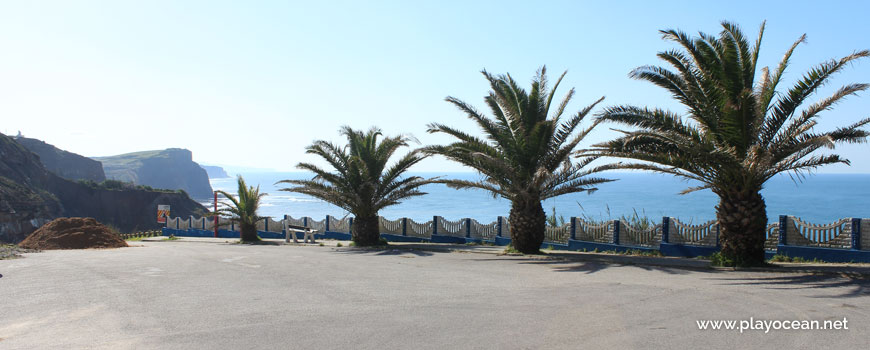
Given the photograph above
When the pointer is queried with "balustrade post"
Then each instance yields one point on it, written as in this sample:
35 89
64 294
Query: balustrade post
616 232
327 225
435 225
203 222
177 219
783 229
856 233
573 228
467 228
284 225
666 229
350 226
404 226
266 224
498 226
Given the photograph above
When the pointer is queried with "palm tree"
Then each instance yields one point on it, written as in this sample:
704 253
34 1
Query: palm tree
737 134
243 209
526 155
360 181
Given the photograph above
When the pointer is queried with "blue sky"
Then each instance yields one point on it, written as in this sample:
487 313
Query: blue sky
252 83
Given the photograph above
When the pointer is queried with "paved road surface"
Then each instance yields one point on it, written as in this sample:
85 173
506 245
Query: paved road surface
182 295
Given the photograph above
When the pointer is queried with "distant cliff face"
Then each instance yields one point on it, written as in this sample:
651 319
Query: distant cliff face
130 210
24 205
171 168
215 172
65 164
30 196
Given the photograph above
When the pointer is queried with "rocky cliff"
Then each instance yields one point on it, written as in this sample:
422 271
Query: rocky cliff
67 165
171 168
24 204
130 210
215 172
30 195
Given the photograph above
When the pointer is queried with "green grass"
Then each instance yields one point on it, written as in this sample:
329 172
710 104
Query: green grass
481 243
794 259
716 259
511 250
640 221
117 185
171 238
554 220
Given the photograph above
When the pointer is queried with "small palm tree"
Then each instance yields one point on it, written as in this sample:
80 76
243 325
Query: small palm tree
243 209
360 181
738 132
526 155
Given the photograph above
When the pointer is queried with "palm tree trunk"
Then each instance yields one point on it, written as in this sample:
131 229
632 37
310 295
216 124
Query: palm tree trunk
248 232
365 231
742 219
528 222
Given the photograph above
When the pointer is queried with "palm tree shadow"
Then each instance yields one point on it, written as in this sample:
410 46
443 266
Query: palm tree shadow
852 285
590 267
385 251
600 264
262 242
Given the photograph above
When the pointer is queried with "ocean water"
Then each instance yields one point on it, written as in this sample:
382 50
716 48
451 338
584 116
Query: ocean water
820 198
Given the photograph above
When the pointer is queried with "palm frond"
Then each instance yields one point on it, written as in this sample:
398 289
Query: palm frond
361 179
738 132
525 142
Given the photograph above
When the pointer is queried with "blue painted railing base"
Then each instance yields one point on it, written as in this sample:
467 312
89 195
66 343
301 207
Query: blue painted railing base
271 235
189 233
334 235
503 241
447 239
824 254
688 251
400 238
666 249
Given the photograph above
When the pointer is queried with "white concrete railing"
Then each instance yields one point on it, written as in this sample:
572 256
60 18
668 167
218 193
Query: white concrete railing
837 234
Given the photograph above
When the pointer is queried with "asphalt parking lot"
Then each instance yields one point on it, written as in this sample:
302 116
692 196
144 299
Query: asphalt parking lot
186 295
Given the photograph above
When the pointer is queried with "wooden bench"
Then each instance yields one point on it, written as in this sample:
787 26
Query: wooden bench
293 229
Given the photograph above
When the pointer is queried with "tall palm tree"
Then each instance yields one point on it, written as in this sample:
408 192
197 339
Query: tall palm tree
360 180
525 156
737 133
242 208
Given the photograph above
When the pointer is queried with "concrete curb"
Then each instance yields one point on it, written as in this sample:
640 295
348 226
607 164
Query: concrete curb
671 262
